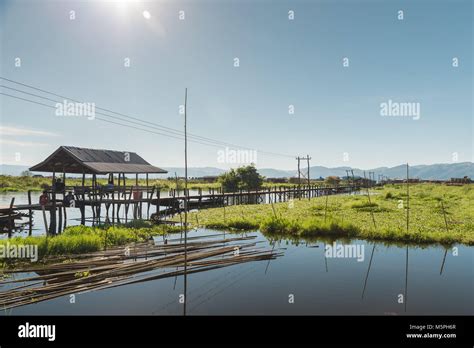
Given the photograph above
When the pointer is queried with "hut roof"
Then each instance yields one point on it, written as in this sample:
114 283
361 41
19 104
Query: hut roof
72 159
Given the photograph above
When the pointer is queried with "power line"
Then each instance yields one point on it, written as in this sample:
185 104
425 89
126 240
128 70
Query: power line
108 121
56 101
53 100
146 123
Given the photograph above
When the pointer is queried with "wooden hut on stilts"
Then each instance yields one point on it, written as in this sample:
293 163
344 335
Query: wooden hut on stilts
113 195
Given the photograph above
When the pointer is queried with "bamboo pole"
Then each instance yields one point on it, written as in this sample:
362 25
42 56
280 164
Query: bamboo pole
185 200
408 200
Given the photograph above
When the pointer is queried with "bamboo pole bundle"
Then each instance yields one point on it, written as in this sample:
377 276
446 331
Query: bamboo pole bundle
113 268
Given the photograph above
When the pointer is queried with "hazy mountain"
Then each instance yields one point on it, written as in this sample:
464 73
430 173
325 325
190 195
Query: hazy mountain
8 169
276 173
432 171
193 171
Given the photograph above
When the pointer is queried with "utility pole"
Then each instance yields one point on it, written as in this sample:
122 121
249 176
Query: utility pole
347 177
353 179
371 177
299 171
301 174
307 161
185 200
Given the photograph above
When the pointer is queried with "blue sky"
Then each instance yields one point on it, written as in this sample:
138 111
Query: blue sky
282 63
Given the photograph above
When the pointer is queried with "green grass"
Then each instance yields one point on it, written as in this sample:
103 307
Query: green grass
85 239
350 216
25 183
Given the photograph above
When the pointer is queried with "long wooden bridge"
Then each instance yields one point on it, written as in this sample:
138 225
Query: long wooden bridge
109 201
149 203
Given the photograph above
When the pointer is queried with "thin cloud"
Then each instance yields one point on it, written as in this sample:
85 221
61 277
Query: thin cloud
24 132
21 143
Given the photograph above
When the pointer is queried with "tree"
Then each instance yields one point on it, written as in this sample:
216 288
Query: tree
245 178
333 180
26 173
229 181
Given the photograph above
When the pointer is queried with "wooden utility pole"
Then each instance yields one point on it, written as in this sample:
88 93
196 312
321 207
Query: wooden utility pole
299 171
307 161
301 174
185 200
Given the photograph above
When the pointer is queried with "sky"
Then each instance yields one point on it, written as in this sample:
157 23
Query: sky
284 64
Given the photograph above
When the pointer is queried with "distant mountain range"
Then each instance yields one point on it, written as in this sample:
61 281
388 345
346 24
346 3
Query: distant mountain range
430 171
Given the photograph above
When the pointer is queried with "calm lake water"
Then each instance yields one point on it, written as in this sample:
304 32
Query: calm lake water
319 285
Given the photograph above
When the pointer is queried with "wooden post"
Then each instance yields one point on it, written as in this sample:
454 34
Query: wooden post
113 199
83 204
44 220
92 200
408 204
158 196
65 217
127 203
60 219
30 214
149 199
11 219
52 211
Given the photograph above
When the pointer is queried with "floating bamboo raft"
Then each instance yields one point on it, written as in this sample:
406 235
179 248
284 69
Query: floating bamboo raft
75 274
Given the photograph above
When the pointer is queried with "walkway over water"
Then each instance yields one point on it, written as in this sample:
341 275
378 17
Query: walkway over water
149 203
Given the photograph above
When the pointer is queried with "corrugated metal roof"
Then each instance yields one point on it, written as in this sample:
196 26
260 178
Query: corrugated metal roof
105 156
94 161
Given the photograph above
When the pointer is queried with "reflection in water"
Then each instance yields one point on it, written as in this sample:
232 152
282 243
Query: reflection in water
442 264
251 289
368 271
406 281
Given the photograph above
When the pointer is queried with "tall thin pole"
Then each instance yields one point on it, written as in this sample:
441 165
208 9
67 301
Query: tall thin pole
307 161
370 203
185 200
408 222
299 172
408 199
309 180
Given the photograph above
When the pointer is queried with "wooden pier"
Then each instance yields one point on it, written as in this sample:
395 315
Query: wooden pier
149 203
134 202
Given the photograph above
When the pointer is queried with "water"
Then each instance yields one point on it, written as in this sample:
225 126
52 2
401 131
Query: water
73 214
320 286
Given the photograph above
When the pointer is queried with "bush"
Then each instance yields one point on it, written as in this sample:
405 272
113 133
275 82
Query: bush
244 178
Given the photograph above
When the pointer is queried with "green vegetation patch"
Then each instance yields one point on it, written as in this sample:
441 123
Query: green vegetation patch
432 208
86 239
